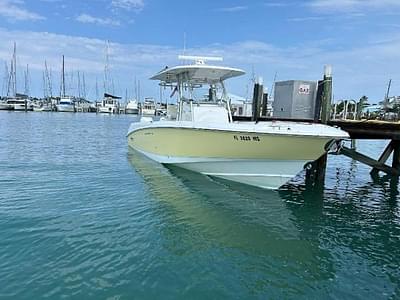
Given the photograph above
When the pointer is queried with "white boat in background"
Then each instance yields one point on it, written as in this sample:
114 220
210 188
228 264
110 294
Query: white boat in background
132 107
42 108
109 105
20 103
204 138
148 107
66 104
5 106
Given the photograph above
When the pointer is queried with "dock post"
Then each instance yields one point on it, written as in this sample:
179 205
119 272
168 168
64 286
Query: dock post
318 169
353 144
264 105
257 98
326 95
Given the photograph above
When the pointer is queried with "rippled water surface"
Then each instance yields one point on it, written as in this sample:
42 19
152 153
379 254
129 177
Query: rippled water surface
82 217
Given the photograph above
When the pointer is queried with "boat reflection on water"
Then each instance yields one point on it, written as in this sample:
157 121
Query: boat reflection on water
226 215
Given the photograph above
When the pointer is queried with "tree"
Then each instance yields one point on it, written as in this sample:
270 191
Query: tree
361 104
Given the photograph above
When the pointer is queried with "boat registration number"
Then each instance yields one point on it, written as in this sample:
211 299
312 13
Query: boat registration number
246 138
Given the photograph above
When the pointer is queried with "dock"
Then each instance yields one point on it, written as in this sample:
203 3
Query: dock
357 129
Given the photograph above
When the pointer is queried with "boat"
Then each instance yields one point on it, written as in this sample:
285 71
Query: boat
20 103
66 104
148 107
205 139
132 107
5 106
109 104
42 107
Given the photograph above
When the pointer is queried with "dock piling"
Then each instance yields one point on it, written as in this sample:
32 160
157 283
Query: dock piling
257 99
323 107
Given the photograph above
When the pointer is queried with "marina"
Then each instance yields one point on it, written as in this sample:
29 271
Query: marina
199 150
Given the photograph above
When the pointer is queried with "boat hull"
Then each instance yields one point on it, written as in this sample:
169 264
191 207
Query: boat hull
65 108
22 107
132 111
260 159
108 110
5 106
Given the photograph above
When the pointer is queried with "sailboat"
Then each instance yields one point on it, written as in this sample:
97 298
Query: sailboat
67 103
110 103
205 139
17 101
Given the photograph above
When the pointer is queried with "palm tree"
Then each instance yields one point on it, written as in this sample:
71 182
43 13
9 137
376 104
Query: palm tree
361 104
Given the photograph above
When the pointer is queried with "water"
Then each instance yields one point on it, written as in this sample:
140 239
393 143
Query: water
82 218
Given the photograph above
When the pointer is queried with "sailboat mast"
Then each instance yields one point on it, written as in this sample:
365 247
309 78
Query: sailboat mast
84 85
10 85
97 90
79 85
26 87
15 70
44 85
49 91
106 70
63 78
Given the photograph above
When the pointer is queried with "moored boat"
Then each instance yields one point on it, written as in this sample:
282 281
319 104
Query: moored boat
204 138
132 107
109 104
66 104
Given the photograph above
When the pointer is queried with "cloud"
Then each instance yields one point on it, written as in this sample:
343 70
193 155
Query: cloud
352 5
306 19
276 4
233 9
12 10
129 5
85 18
357 70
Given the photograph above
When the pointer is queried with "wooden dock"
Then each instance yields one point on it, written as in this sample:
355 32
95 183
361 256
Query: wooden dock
369 129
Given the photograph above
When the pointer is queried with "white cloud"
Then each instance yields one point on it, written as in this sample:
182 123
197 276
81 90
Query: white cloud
85 18
128 4
306 19
352 5
233 9
12 10
357 70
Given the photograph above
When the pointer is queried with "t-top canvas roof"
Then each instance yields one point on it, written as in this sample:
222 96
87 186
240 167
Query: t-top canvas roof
197 74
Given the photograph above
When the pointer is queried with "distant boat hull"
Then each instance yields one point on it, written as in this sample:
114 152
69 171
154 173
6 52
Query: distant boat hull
132 111
5 106
65 108
42 109
108 110
263 159
22 107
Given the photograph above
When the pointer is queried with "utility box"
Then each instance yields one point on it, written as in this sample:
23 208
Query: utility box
295 99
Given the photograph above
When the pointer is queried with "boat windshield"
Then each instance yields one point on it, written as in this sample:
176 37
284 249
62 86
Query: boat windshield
203 93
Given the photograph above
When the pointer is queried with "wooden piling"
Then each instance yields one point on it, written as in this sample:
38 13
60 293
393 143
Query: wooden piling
323 104
257 98
264 105
326 95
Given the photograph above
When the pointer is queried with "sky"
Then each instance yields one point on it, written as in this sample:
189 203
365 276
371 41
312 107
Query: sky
275 40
